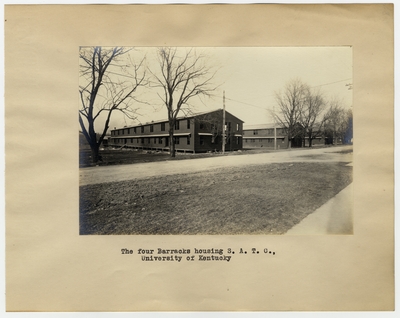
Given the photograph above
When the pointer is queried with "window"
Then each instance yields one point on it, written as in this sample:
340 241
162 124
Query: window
160 140
188 124
177 140
188 140
129 131
151 128
118 132
260 140
148 140
255 132
201 140
134 130
131 140
137 140
142 140
176 124
253 140
155 140
162 126
237 127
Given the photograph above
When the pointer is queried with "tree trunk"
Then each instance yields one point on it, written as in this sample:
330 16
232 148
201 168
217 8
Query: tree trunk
289 141
310 139
95 154
171 140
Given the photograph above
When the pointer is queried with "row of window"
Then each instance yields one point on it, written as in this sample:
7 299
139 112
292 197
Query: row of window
127 131
263 140
160 141
269 131
148 140
142 128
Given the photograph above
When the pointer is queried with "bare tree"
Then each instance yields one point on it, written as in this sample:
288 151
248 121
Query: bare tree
290 107
212 122
182 76
345 126
108 81
348 129
312 117
336 120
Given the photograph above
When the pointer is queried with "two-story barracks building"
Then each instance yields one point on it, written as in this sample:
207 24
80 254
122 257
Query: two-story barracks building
273 136
197 133
264 135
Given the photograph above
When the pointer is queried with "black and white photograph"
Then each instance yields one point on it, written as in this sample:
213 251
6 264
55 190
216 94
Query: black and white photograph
216 140
199 159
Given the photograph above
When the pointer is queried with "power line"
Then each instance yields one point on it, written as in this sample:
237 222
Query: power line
238 101
333 82
252 105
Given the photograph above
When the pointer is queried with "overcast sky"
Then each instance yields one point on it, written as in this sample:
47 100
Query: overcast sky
251 76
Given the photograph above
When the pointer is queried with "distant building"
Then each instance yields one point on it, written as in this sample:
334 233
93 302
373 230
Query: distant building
273 136
195 133
264 135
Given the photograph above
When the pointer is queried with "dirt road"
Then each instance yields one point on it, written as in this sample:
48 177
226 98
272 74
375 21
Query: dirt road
103 174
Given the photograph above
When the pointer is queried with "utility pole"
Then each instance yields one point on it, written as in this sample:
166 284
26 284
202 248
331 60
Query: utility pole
223 125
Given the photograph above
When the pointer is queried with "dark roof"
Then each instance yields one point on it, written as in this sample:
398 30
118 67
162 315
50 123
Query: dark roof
179 118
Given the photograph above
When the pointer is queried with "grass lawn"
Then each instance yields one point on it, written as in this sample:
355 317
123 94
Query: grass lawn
261 199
